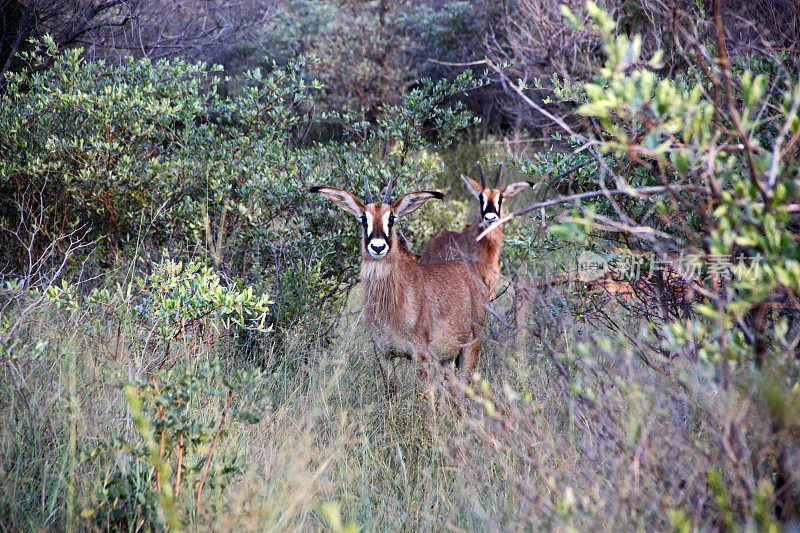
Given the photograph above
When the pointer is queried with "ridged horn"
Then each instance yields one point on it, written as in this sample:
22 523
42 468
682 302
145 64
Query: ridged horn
387 198
483 175
499 176
367 195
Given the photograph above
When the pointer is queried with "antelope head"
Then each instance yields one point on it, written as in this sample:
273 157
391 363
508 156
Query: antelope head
491 199
377 218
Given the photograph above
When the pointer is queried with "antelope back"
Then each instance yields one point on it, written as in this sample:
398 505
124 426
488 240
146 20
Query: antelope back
483 256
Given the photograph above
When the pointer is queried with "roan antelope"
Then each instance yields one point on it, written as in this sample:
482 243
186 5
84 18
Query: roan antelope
425 310
483 256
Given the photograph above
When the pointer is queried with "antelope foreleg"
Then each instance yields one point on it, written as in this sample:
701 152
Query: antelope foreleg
471 351
422 358
389 379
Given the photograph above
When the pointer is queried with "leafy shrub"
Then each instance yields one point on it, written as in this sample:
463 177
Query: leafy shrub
372 52
173 447
729 191
146 157
138 151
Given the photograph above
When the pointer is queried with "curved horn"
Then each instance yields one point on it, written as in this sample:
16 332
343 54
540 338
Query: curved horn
387 198
367 195
483 175
499 176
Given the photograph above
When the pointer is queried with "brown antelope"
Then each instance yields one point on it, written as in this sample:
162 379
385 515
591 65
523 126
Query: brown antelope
426 310
483 256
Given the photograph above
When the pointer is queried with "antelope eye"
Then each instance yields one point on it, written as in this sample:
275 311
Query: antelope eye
392 219
364 219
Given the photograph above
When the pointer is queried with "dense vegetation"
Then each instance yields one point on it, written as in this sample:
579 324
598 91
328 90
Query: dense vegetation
179 340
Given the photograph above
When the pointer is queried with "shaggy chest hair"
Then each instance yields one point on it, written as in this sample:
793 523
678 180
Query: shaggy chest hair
381 295
388 305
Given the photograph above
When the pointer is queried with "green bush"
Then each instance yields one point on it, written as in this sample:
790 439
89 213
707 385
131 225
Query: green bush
145 159
371 52
143 152
172 448
732 189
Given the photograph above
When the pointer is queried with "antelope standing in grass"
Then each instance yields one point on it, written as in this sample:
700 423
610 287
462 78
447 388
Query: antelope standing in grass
426 310
483 256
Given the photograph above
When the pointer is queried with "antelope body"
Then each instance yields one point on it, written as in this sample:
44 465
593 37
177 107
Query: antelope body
482 257
426 310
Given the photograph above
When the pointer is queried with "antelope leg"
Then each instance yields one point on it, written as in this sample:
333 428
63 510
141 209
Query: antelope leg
389 379
471 358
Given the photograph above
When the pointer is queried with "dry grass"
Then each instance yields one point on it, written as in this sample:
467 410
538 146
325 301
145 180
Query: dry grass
568 429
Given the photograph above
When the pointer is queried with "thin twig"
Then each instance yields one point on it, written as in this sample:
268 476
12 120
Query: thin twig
584 195
488 62
776 150
731 99
210 452
180 466
569 171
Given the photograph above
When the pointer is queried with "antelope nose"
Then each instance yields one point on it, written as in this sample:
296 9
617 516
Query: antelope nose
490 217
378 248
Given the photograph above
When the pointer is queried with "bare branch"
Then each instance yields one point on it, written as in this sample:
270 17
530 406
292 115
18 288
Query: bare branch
593 194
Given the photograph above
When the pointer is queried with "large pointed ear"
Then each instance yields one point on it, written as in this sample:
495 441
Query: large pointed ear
514 188
413 200
472 186
343 199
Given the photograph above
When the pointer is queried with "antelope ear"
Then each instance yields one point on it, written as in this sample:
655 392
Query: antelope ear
472 186
413 200
343 199
514 188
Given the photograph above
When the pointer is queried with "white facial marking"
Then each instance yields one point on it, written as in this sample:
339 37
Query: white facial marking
369 223
377 247
386 222
488 218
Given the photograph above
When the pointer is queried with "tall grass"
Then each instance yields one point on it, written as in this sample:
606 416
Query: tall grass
615 445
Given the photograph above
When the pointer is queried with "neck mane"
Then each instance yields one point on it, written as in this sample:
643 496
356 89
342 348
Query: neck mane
476 227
